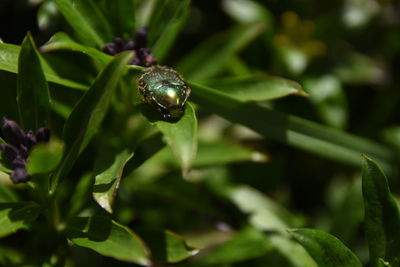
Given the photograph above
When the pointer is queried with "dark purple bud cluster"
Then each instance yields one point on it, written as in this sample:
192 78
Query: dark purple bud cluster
143 56
18 147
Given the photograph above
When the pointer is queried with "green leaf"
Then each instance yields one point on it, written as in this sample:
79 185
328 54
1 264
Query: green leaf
8 90
246 11
61 41
210 57
382 218
16 216
81 195
166 23
108 238
266 215
88 114
248 243
294 131
9 62
382 263
108 168
223 152
167 247
6 194
45 157
33 95
11 257
326 249
121 14
258 87
182 137
329 99
87 21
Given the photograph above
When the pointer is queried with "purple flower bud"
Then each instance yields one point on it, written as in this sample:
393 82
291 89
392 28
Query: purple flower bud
10 151
119 44
13 134
19 175
30 139
135 61
130 45
43 134
19 162
110 49
23 151
141 38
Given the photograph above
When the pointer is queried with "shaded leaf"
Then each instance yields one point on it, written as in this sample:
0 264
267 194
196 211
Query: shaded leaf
88 114
258 87
108 238
61 41
108 168
86 20
45 157
8 90
300 133
382 218
166 23
11 257
210 57
121 14
9 62
81 194
182 137
33 95
167 247
326 249
16 216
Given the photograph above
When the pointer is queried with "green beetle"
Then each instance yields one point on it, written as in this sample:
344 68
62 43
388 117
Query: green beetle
164 89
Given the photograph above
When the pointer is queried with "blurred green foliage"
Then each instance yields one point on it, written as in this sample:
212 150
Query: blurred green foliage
263 169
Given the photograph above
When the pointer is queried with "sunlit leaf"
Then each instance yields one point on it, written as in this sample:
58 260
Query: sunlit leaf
108 238
382 217
326 249
246 11
86 20
45 157
216 153
9 62
108 169
61 41
258 87
33 95
182 137
88 114
7 194
16 216
167 247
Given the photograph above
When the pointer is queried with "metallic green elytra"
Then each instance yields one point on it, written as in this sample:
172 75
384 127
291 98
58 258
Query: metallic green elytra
164 89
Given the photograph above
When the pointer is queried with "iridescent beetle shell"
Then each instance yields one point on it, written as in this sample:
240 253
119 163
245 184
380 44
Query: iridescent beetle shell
164 89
